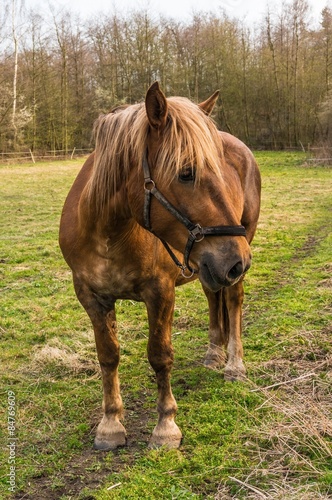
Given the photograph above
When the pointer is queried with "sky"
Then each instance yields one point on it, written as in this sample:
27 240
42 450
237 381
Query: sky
251 11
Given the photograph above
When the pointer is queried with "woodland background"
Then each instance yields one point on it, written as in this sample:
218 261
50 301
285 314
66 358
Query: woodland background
59 72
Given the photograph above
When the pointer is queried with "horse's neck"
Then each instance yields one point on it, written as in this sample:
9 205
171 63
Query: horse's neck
115 216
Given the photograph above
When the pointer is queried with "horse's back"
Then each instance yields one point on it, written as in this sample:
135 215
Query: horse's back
69 216
239 156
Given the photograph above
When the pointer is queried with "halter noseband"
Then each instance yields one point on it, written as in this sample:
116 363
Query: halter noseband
196 232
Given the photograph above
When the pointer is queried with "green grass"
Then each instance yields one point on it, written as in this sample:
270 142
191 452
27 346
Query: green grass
238 438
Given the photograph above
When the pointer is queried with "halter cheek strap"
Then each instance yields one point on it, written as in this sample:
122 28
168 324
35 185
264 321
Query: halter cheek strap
196 232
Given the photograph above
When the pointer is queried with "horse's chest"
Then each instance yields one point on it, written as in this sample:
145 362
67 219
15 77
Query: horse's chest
112 277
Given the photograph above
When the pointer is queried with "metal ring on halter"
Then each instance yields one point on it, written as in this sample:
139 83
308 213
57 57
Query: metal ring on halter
149 182
197 233
201 238
183 271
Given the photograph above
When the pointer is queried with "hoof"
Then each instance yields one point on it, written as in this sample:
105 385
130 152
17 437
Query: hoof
112 443
169 443
233 374
213 364
110 435
214 358
166 434
235 371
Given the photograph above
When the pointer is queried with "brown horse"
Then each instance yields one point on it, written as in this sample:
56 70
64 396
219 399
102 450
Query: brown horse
162 186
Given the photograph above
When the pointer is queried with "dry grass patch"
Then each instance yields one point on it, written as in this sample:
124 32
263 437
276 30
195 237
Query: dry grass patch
294 447
287 492
57 357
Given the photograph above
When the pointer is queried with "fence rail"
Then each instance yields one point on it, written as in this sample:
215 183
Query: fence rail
62 154
58 154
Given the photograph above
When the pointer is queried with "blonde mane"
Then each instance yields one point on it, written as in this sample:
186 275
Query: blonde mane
190 138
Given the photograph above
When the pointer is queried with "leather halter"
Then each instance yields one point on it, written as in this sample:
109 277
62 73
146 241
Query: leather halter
196 232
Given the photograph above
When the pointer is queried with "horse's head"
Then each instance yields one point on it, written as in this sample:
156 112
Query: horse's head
185 161
176 147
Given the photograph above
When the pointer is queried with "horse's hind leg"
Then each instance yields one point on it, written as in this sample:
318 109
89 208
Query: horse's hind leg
215 356
160 307
234 369
110 432
225 330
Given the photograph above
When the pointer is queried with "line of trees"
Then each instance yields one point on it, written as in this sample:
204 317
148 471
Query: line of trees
58 73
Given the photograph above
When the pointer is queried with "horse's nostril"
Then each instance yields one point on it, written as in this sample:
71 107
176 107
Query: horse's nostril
235 271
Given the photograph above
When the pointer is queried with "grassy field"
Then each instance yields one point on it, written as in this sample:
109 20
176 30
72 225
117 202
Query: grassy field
267 438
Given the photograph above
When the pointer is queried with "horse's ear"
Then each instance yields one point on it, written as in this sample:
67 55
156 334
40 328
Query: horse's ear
156 107
208 105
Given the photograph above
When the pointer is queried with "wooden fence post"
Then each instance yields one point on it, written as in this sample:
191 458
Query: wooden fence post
32 157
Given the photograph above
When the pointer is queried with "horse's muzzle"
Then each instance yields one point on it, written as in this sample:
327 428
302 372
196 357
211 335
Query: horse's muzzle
215 273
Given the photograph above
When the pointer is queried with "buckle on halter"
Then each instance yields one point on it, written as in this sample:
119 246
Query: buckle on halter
197 233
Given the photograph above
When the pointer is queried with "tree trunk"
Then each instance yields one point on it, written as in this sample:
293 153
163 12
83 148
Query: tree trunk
15 41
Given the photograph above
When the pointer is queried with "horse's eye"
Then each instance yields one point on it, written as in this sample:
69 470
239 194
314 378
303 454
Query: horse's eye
187 174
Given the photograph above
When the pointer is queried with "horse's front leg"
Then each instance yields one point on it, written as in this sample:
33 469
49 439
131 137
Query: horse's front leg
110 432
160 307
225 309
